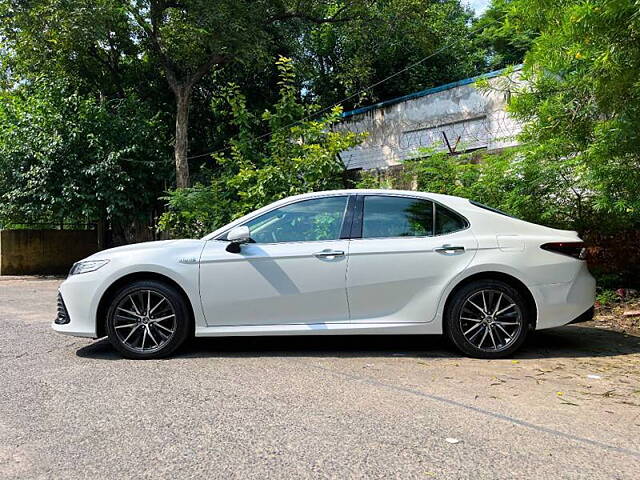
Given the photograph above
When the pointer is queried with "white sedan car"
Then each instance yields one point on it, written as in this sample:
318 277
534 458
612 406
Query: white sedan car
333 263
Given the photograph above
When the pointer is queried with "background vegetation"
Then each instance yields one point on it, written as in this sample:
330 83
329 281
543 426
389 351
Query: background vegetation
107 105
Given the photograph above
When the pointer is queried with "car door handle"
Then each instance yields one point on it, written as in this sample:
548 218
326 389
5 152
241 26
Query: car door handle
328 253
449 249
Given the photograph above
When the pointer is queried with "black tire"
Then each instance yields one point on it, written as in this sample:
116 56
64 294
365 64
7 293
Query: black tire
129 323
499 336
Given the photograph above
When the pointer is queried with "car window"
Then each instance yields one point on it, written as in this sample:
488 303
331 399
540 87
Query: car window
448 221
305 221
396 217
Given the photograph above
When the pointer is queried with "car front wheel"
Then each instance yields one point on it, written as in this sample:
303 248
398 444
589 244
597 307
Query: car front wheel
147 319
487 319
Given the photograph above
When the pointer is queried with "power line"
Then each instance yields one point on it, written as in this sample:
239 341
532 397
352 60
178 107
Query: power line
363 90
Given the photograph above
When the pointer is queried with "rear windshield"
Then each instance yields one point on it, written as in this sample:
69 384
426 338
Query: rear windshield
491 209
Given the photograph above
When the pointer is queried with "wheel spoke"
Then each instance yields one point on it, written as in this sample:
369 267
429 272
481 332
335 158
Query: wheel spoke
467 319
148 303
157 305
144 337
129 312
481 310
163 335
128 325
127 318
162 327
497 304
151 336
486 330
500 312
506 334
130 333
493 340
507 323
135 307
161 319
472 328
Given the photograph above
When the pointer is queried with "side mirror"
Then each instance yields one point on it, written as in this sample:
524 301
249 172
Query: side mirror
237 236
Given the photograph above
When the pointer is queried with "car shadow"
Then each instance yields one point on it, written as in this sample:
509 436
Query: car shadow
571 341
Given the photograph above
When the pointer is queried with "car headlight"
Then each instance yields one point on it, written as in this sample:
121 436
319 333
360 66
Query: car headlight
87 266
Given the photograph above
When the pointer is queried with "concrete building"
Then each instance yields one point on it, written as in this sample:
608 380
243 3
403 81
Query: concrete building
457 117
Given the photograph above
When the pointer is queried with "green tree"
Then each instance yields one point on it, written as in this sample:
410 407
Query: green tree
70 157
502 36
340 60
581 101
297 155
183 40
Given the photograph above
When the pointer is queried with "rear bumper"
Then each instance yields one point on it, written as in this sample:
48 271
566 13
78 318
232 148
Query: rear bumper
584 317
562 303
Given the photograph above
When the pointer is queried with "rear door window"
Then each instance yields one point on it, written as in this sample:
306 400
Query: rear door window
386 216
447 221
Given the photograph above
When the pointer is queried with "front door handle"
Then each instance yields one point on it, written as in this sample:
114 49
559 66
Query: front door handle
450 249
329 253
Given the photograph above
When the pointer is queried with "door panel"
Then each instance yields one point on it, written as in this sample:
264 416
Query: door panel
293 273
402 279
267 284
398 270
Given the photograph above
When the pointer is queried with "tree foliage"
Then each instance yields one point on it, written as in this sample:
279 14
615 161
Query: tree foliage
581 102
65 156
344 59
502 35
510 181
297 155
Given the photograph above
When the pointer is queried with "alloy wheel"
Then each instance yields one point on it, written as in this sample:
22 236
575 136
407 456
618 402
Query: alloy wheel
144 321
490 320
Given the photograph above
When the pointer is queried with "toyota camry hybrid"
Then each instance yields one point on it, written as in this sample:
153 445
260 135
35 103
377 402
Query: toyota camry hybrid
342 262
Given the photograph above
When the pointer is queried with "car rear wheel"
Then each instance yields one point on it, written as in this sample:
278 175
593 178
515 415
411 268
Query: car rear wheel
487 319
147 319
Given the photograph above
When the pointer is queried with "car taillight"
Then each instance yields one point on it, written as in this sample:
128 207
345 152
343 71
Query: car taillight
573 249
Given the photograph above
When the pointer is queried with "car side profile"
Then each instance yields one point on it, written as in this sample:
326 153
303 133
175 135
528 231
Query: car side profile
376 262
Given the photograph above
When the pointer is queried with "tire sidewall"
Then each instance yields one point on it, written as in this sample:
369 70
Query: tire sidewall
453 328
183 319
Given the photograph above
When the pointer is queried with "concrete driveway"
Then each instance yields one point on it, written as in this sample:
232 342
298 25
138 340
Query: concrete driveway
567 406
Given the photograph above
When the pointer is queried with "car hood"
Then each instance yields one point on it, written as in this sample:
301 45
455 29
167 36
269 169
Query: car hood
144 246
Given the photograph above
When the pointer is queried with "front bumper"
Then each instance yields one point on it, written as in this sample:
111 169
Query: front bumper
80 295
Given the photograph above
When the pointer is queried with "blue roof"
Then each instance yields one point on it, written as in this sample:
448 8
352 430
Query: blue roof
423 93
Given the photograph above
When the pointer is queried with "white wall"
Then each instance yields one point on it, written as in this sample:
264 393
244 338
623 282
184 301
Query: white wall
471 118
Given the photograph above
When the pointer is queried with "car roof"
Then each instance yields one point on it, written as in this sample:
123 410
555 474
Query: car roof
447 199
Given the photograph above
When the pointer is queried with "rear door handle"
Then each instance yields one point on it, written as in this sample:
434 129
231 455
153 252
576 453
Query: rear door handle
449 249
329 253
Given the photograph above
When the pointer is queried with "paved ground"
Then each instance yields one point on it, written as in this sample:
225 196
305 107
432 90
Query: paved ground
568 406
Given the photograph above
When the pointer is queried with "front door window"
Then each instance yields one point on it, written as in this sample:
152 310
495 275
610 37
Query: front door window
306 221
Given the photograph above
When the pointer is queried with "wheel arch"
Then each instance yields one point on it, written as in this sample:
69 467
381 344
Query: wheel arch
506 278
103 305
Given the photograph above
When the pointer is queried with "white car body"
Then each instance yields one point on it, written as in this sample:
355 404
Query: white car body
379 286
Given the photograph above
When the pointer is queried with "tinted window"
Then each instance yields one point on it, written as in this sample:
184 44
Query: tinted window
306 221
396 217
448 221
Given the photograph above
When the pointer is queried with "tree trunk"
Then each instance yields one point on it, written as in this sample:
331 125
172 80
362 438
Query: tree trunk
182 94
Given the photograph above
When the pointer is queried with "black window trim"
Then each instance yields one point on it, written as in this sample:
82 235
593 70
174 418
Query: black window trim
356 229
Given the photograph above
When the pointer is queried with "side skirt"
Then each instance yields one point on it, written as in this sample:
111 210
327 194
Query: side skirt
322 329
